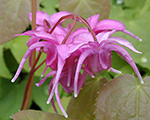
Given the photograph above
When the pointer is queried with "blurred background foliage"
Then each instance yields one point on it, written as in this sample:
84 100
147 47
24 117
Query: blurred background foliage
133 13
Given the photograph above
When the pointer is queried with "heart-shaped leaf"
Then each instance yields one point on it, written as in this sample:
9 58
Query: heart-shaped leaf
13 18
83 107
123 99
86 8
37 115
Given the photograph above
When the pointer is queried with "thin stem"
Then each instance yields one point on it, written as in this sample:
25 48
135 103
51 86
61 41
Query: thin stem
39 65
62 18
74 23
80 18
28 90
88 26
46 24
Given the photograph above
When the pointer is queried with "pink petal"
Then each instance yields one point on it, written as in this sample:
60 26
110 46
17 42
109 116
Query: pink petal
81 81
83 56
54 107
40 16
44 71
56 16
39 35
59 70
43 80
132 35
93 20
104 35
124 54
51 55
115 71
109 24
59 102
63 51
28 52
123 42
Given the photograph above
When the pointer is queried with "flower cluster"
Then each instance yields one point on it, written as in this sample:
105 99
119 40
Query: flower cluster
68 51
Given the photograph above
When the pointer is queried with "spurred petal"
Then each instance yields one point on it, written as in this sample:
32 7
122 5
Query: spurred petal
59 70
123 53
115 71
109 25
132 35
40 35
28 52
83 56
43 80
59 102
44 71
123 42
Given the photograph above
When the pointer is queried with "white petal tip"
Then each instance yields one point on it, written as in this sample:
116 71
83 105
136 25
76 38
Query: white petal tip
119 72
47 102
68 84
42 75
37 84
140 40
92 76
75 95
142 82
66 116
12 80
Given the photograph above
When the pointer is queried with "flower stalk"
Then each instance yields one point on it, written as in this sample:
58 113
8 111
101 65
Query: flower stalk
28 89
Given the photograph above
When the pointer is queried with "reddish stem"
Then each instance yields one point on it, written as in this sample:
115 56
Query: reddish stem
74 23
28 89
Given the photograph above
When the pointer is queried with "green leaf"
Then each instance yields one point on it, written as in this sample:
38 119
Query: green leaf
86 8
37 115
123 99
49 6
11 97
4 72
42 93
19 47
134 3
83 107
139 25
146 6
13 18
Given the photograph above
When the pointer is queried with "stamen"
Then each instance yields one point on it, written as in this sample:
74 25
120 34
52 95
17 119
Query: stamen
89 27
71 16
62 18
46 24
74 23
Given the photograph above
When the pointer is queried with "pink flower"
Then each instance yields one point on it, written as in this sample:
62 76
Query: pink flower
67 50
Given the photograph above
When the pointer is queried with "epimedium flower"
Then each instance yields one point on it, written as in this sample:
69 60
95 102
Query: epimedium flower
70 51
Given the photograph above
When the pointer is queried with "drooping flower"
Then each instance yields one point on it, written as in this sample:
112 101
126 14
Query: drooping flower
67 50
